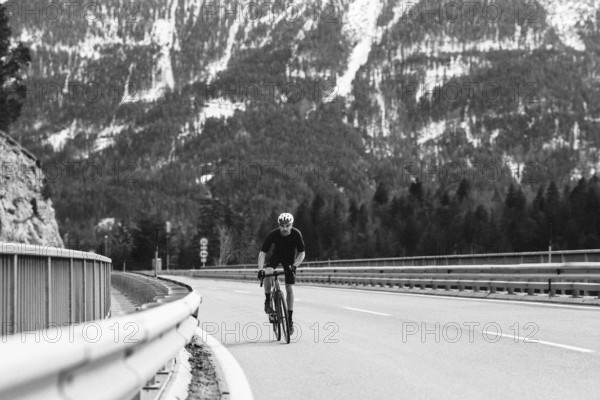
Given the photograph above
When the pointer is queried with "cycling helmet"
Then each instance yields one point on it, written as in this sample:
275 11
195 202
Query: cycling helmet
285 218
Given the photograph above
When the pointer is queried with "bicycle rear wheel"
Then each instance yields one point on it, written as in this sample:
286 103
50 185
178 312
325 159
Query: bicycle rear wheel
276 320
283 317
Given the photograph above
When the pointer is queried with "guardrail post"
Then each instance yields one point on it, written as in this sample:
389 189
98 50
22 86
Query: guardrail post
94 316
530 291
49 292
84 292
71 294
574 292
15 309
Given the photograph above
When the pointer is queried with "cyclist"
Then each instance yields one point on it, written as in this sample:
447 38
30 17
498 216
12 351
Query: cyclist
289 252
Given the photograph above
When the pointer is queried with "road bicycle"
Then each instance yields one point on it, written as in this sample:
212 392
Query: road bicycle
279 316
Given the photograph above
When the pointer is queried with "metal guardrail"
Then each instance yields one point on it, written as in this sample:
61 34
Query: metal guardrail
107 359
578 278
139 289
591 255
42 286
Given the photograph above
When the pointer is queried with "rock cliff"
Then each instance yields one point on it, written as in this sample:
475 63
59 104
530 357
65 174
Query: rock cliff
26 212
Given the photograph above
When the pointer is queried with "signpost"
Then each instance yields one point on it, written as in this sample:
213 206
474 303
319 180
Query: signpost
168 229
203 251
155 264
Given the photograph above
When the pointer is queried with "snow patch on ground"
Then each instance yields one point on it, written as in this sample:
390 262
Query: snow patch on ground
494 135
59 139
514 168
215 108
556 143
360 27
194 8
106 137
576 134
435 46
221 64
164 35
434 130
436 76
564 17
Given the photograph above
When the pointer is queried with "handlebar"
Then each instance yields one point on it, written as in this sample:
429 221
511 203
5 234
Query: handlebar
275 274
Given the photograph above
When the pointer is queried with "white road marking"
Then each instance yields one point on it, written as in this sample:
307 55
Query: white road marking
366 311
526 340
239 388
432 296
241 291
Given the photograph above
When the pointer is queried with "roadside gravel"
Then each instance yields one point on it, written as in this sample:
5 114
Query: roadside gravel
205 384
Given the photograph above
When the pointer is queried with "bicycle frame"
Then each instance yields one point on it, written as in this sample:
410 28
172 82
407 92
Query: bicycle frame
279 317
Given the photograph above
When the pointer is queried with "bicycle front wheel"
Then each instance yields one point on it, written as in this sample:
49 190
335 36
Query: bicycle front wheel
276 320
283 317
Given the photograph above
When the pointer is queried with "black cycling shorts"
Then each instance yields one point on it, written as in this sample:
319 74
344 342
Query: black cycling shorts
290 277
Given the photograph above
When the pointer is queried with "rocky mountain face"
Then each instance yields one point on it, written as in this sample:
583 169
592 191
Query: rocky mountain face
26 212
159 103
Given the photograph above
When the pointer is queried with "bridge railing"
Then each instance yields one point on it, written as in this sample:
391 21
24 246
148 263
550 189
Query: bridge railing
106 359
42 286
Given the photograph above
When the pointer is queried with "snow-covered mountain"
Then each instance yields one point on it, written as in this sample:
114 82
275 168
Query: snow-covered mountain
372 86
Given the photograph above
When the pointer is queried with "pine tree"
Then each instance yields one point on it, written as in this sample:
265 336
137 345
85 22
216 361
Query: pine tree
463 190
382 195
517 226
12 62
303 222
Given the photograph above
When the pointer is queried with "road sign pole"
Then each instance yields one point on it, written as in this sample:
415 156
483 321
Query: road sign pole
156 256
203 251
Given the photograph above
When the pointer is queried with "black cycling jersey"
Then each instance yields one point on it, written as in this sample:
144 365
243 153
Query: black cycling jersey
285 247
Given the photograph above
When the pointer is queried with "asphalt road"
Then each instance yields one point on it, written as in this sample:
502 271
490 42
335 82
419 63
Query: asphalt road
355 344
